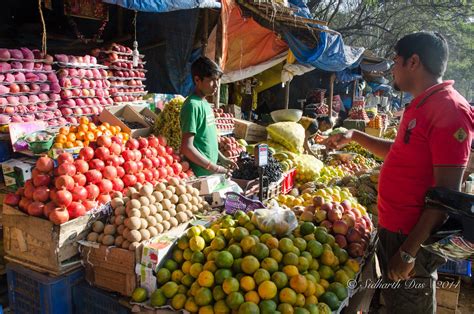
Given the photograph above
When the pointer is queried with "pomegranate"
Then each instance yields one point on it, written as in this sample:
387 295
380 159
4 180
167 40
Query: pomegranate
59 216
97 164
162 140
80 179
103 198
24 203
139 166
120 171
35 209
105 186
147 164
93 176
138 155
12 199
79 193
89 204
41 180
104 140
102 153
128 155
81 166
113 161
64 182
76 209
41 194
140 177
44 164
161 150
87 153
115 149
156 173
29 189
65 157
92 191
163 172
169 150
67 168
117 184
153 141
63 198
142 142
129 180
132 144
48 208
130 167
109 172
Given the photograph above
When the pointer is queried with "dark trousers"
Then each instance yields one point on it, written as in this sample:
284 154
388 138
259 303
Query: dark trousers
416 295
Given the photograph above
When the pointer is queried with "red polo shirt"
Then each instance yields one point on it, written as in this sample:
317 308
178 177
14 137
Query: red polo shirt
436 131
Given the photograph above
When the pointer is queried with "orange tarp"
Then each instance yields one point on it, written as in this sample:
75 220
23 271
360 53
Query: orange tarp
245 42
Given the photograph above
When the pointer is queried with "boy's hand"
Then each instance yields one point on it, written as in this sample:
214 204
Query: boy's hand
338 140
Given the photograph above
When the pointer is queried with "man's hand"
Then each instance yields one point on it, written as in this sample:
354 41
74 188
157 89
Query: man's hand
398 269
338 140
227 163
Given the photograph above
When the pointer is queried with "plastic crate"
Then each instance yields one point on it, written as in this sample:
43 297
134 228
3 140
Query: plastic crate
32 292
91 300
288 181
461 268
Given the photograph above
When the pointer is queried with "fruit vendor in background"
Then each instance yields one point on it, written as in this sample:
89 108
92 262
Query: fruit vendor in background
432 149
199 133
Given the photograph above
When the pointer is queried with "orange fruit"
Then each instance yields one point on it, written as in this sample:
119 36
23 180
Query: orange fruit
80 135
86 143
119 129
83 127
69 145
106 125
71 137
64 130
90 136
58 145
78 144
102 128
84 120
73 129
108 133
98 133
61 138
92 126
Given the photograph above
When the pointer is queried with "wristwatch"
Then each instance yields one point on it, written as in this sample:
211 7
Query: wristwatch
407 258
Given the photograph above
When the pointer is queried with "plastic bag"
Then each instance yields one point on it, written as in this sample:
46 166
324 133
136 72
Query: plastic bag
453 247
307 168
289 134
276 220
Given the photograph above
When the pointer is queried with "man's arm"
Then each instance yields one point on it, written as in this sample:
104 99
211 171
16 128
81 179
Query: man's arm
192 154
375 145
448 177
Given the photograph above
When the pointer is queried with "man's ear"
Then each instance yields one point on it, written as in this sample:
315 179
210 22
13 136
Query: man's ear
196 79
414 62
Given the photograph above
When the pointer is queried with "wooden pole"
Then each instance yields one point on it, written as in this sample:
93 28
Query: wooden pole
205 32
331 93
287 94
354 89
218 56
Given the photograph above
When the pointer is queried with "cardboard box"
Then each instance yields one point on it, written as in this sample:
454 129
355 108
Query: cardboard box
249 131
16 172
112 115
148 115
40 245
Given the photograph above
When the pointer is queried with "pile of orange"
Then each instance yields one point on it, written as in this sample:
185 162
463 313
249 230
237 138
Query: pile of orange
86 132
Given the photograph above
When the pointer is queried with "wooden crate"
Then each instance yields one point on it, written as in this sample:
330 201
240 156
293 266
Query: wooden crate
249 131
447 293
112 269
40 245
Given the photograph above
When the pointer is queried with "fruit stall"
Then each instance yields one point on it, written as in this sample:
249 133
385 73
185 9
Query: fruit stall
100 206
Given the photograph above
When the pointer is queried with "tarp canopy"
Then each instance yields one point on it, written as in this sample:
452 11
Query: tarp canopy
159 6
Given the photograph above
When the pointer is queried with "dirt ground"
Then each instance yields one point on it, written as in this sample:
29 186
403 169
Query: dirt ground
466 297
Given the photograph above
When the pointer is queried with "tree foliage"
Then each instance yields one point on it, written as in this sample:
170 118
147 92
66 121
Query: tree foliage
377 25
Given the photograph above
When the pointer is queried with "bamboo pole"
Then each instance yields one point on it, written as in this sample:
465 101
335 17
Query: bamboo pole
218 56
331 93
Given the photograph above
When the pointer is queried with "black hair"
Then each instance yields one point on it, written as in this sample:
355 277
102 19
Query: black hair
205 67
431 47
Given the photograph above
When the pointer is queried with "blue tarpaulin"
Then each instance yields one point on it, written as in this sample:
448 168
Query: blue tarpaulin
329 54
164 5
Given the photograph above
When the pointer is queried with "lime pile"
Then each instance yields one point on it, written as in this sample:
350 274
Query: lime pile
235 267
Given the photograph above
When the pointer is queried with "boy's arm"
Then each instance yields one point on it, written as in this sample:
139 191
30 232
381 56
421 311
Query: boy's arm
192 154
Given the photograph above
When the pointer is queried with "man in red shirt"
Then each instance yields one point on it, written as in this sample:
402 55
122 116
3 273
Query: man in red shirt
431 149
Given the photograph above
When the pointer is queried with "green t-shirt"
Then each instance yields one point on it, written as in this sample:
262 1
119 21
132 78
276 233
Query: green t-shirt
197 118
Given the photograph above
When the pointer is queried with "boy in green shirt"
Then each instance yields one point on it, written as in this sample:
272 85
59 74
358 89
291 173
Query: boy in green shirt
199 133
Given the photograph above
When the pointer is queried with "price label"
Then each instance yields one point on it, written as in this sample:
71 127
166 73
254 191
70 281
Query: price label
261 155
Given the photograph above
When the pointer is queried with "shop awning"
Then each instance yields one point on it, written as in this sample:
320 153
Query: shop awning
164 5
